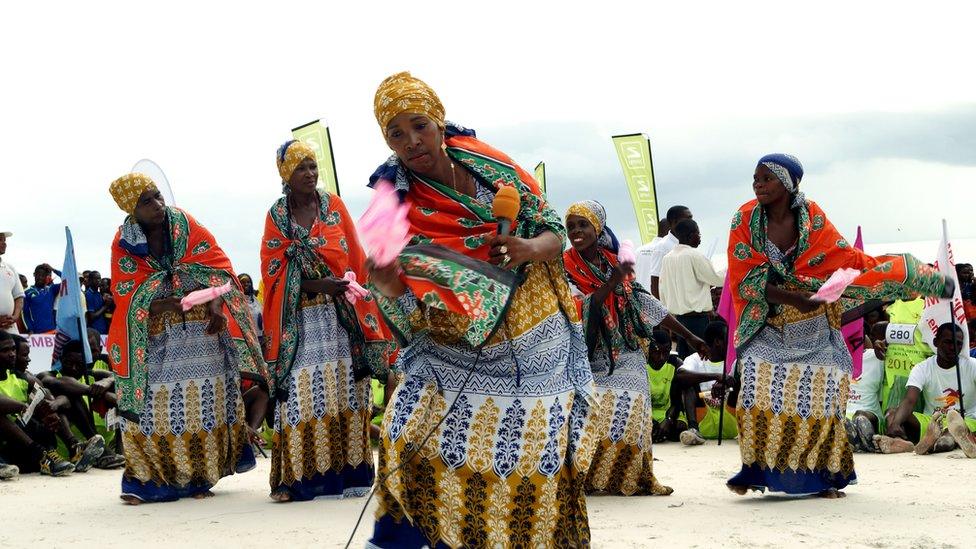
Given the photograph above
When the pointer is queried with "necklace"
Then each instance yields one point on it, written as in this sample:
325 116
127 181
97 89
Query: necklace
453 178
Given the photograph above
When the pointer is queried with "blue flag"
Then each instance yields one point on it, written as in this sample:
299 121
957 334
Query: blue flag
71 312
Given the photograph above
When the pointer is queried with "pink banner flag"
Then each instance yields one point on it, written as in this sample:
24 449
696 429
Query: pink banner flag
727 311
853 332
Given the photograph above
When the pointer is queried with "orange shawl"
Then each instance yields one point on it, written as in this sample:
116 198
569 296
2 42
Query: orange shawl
820 250
331 248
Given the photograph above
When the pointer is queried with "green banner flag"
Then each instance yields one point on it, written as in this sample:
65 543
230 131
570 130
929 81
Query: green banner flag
634 151
540 175
316 135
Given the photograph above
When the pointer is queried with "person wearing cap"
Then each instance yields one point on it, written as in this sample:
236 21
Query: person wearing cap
39 301
177 368
11 291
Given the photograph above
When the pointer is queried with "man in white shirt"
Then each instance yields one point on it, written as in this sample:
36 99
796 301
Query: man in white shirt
696 381
665 245
939 427
687 277
11 290
642 270
864 413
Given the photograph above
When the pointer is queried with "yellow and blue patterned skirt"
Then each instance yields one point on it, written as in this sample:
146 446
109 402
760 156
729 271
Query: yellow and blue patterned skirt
794 386
507 465
622 424
191 431
321 439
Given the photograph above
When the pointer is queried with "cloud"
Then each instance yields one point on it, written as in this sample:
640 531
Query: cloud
894 173
868 108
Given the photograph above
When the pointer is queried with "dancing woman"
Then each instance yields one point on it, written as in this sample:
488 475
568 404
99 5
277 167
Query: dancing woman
177 372
619 317
505 370
794 365
321 349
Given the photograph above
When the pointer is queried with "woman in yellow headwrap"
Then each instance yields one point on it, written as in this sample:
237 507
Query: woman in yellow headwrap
177 373
619 317
321 349
486 440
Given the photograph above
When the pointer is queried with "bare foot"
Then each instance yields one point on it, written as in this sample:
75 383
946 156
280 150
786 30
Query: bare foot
203 495
281 497
130 500
931 435
890 445
833 493
960 433
739 490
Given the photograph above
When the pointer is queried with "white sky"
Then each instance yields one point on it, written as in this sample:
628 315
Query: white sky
209 90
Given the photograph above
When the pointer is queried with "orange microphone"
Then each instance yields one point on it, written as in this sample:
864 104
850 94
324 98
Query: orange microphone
505 208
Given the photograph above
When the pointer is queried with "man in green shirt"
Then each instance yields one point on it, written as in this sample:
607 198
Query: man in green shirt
30 445
87 392
660 373
903 348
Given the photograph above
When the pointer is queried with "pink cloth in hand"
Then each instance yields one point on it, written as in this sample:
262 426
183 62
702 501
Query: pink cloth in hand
205 295
834 287
384 227
354 292
626 253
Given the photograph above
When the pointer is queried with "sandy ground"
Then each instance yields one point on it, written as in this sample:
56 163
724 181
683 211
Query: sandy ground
901 501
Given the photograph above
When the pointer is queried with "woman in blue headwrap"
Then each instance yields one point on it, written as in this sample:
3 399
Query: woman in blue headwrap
794 367
619 317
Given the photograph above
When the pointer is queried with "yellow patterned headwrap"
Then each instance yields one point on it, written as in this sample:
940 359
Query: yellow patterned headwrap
402 93
590 211
127 189
290 155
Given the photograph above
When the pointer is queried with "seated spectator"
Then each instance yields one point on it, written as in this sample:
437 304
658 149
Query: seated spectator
940 428
31 445
39 301
864 415
901 355
96 305
699 383
661 366
87 392
687 277
381 391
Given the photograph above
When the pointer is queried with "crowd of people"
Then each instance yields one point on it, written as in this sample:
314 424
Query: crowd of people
503 374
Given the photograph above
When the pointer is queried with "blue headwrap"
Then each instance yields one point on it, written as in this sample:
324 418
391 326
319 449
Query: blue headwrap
789 171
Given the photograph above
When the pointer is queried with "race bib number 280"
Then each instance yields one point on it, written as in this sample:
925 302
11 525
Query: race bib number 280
900 334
